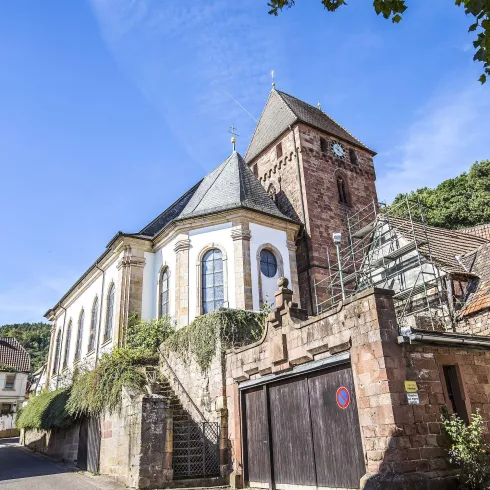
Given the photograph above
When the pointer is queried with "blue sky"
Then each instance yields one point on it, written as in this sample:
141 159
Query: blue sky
111 109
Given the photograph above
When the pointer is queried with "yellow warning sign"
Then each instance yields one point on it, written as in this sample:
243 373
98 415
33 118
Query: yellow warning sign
411 387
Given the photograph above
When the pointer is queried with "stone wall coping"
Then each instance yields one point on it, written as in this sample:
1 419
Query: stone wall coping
332 311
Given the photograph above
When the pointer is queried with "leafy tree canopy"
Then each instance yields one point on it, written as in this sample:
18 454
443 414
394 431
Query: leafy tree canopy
34 337
479 10
456 203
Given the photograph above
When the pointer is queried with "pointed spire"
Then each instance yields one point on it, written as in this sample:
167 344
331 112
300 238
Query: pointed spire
273 81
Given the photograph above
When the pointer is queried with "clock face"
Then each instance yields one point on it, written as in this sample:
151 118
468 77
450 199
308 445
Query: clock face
338 149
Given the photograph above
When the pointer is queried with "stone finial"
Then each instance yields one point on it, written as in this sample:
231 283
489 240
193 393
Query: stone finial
283 295
282 282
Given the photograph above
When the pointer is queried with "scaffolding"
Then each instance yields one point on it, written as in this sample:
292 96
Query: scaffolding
389 248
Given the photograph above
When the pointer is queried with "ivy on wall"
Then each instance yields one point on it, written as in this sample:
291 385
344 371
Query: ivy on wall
221 329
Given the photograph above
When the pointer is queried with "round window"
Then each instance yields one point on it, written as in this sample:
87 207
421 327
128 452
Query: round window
268 263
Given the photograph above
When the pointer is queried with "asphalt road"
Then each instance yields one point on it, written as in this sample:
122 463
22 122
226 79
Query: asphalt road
21 469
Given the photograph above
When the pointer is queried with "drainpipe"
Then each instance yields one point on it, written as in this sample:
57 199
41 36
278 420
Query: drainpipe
303 212
60 356
100 313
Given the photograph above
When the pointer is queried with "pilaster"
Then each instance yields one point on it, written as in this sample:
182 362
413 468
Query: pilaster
293 267
240 234
182 246
129 297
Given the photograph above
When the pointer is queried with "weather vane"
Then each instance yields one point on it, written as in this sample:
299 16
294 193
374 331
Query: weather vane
233 135
273 81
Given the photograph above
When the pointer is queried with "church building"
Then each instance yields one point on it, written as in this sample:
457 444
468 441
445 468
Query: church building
228 239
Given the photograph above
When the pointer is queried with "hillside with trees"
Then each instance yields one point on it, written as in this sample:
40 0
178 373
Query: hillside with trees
456 203
34 337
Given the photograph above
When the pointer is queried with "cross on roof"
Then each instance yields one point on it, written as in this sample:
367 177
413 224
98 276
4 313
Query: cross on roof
233 133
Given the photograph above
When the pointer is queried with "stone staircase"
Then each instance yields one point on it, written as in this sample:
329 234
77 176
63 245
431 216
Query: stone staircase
173 401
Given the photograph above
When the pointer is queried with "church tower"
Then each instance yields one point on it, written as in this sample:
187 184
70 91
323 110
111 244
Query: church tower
318 174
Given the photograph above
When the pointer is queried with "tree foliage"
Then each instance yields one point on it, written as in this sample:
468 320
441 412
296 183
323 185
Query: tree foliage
148 334
456 203
34 337
467 450
479 10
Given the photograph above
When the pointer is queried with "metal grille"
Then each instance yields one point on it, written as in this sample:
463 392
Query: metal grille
196 449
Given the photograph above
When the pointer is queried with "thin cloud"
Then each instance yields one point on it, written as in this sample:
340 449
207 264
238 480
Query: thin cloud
210 48
446 137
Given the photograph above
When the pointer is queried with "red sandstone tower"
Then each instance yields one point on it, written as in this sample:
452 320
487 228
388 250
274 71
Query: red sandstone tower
317 173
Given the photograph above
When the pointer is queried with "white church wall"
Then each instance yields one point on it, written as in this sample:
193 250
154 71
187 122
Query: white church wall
261 235
149 287
220 235
84 300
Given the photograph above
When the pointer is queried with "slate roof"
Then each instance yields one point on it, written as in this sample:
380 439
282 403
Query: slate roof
14 355
282 110
444 244
231 185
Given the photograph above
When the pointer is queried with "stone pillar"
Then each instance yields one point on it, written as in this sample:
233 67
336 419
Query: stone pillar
181 249
223 442
169 445
293 267
240 234
129 290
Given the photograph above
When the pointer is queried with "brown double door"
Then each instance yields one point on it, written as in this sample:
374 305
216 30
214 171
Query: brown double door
297 434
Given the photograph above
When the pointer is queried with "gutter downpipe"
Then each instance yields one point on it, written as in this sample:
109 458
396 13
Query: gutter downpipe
60 356
100 313
303 212
445 340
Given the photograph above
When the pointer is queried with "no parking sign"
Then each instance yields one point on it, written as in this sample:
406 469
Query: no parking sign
343 397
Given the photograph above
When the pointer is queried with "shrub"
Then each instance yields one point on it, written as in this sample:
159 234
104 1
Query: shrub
148 334
200 338
100 389
46 411
467 450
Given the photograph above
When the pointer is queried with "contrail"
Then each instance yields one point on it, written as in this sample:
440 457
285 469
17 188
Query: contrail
240 105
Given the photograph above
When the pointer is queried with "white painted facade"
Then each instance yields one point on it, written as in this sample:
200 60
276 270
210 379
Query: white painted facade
156 259
12 395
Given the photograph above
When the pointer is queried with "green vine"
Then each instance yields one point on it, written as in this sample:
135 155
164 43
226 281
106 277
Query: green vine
101 388
46 411
228 328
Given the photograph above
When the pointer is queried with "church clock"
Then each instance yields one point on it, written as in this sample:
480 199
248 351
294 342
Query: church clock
338 150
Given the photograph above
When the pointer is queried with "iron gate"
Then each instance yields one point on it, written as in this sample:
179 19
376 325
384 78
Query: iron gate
196 449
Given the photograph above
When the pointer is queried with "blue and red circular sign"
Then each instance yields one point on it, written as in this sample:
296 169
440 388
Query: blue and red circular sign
343 397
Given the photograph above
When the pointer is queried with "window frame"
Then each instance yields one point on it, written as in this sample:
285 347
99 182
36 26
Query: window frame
199 276
10 386
164 271
80 325
93 325
57 353
109 316
463 408
67 344
280 266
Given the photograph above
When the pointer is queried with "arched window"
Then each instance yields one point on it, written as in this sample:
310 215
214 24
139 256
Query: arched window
109 321
78 349
213 290
67 345
342 190
93 325
268 263
164 299
57 352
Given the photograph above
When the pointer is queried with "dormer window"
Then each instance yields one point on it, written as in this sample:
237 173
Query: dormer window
272 192
279 150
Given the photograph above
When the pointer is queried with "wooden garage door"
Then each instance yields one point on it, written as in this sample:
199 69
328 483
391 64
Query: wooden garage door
313 441
336 433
